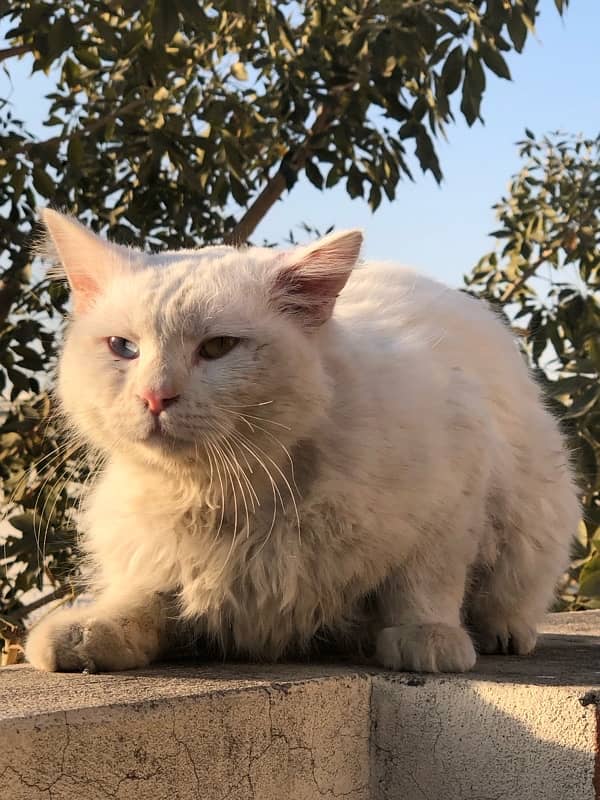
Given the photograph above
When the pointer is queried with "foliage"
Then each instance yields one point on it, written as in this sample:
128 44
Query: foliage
545 276
178 123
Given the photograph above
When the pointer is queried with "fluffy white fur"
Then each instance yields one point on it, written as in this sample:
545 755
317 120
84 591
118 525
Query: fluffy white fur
382 473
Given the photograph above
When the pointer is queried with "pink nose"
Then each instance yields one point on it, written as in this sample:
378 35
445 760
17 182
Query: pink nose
157 401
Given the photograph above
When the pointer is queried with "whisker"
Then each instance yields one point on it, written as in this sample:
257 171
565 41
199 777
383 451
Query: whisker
251 405
244 443
283 477
234 470
211 446
253 496
235 525
245 417
275 491
280 444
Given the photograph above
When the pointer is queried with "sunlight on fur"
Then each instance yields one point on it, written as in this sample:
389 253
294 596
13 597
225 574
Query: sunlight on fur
294 448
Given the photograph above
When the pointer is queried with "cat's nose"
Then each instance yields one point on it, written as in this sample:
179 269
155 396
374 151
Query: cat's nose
157 401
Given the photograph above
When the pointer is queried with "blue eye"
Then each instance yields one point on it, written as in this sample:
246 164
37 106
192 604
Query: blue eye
123 347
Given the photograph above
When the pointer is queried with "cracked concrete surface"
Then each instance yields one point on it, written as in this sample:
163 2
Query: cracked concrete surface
175 735
514 728
484 742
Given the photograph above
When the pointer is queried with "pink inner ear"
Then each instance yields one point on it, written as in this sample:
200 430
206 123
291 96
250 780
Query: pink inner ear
87 261
84 291
308 288
311 278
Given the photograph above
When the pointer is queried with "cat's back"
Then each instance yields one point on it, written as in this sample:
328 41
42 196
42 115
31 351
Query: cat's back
387 309
384 297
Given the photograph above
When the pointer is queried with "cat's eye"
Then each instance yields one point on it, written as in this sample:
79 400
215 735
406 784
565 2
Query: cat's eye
124 348
217 347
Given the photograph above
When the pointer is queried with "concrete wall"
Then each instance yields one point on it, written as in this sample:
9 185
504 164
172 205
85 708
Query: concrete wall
515 728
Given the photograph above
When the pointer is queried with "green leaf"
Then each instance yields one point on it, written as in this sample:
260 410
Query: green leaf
239 71
72 72
452 70
61 36
75 151
473 86
165 21
313 174
334 176
88 57
374 197
590 584
354 184
426 154
545 216
23 523
583 404
238 190
494 60
517 29
567 386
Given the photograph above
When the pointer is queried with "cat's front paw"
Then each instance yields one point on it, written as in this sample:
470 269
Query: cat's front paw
426 648
72 642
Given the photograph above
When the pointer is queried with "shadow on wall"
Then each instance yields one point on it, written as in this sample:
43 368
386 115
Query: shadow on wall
455 739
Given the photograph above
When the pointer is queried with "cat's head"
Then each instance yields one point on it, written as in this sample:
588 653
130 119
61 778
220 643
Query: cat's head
168 353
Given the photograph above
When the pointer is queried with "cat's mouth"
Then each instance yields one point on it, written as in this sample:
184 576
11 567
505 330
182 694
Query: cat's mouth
160 437
158 434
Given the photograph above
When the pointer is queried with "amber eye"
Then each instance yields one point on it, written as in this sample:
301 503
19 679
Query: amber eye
217 347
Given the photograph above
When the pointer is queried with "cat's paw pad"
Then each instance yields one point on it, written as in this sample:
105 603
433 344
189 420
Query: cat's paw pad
426 648
514 637
64 643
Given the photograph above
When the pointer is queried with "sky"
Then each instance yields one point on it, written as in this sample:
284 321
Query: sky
442 230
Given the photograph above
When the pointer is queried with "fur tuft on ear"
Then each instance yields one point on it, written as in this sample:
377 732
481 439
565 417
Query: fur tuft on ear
80 256
310 278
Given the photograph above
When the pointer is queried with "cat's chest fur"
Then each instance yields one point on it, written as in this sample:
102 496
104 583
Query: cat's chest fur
279 583
259 583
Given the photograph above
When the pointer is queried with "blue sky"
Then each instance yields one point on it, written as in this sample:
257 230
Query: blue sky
443 229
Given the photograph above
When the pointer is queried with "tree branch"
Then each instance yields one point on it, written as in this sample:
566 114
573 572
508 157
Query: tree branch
290 166
18 50
15 617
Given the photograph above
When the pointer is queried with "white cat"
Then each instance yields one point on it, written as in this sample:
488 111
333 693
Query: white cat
284 466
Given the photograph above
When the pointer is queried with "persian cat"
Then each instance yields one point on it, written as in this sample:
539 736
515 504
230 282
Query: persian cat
299 448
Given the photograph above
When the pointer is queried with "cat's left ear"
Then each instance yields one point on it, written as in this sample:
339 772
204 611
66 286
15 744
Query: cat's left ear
310 278
86 260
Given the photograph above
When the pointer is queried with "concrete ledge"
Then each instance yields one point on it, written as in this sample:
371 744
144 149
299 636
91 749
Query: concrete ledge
516 728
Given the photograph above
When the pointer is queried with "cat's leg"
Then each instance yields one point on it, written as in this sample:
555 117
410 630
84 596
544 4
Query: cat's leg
107 635
501 619
420 609
510 596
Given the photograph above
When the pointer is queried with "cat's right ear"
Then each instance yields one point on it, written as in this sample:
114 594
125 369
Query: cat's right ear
310 278
86 260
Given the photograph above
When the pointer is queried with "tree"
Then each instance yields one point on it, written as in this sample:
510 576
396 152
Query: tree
178 123
545 278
